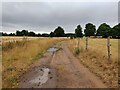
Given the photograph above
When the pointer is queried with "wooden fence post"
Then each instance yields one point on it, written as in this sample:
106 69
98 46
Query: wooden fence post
78 42
86 43
108 48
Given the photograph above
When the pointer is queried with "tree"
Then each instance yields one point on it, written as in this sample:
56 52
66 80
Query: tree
4 34
24 32
104 30
18 33
45 35
1 33
51 34
11 34
90 30
59 32
39 35
70 35
78 31
31 34
115 31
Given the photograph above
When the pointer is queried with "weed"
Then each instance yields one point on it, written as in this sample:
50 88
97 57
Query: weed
12 79
95 58
77 51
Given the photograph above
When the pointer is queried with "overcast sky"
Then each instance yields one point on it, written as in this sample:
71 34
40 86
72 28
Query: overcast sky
44 17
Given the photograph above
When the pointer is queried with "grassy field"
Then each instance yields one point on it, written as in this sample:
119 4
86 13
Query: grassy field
18 38
18 55
95 58
0 67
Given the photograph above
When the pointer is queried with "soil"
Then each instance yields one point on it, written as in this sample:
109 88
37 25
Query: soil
65 71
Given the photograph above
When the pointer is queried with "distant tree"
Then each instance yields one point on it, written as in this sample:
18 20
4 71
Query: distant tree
18 33
0 33
24 32
78 31
11 34
31 34
45 35
59 32
69 35
104 30
115 31
51 34
4 34
39 35
90 30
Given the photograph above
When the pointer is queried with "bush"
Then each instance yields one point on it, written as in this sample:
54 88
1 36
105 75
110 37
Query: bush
77 50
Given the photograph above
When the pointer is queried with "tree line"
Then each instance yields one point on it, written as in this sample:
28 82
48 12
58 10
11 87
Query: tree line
104 31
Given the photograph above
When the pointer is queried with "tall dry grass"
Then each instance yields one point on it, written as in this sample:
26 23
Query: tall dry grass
17 56
95 58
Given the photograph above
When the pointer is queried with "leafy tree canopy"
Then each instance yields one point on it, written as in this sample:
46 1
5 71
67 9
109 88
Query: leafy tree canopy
78 31
59 32
104 30
90 29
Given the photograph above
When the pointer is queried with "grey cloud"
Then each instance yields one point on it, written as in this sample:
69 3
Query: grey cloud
45 16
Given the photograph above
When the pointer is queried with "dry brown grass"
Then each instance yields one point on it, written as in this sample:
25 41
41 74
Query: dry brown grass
96 58
18 38
17 56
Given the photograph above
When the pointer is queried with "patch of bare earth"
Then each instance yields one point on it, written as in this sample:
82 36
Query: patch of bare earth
65 72
97 64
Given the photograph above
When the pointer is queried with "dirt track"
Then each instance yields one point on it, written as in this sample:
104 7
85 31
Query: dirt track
65 72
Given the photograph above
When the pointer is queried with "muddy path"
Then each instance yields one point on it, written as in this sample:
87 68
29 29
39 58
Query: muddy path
59 69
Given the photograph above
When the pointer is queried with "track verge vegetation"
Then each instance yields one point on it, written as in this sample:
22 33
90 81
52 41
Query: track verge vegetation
18 56
95 58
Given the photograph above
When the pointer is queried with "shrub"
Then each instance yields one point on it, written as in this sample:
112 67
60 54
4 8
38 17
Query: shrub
77 50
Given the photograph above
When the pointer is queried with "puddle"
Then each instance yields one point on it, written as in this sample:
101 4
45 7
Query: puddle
52 49
41 79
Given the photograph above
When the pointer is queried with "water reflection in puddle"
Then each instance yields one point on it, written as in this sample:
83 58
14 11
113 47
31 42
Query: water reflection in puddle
41 79
52 49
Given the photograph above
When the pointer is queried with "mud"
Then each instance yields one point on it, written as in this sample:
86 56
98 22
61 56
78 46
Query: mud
59 69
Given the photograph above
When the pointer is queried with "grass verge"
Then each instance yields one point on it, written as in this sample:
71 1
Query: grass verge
95 58
17 56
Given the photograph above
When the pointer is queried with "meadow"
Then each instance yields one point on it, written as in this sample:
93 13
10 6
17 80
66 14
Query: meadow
95 58
18 38
19 54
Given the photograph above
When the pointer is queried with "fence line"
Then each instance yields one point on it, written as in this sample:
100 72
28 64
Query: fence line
86 43
108 47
